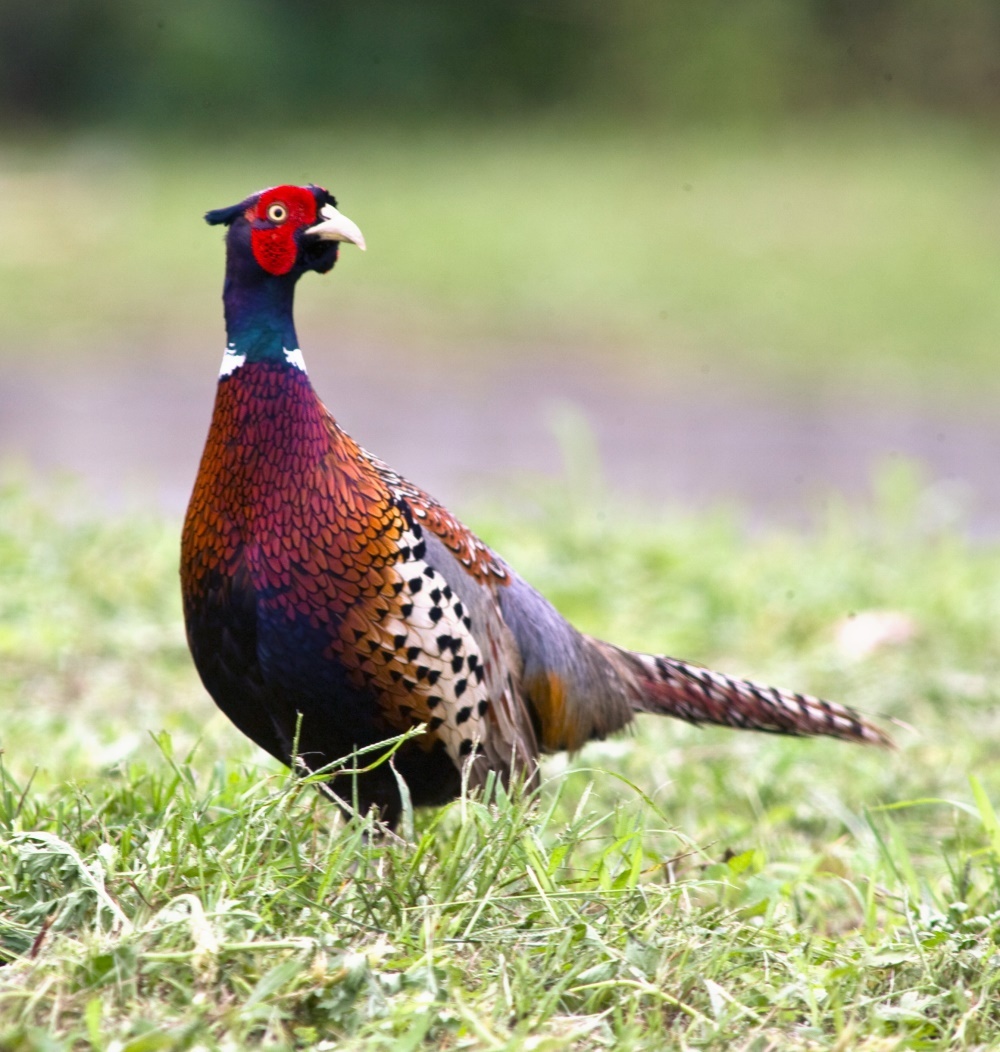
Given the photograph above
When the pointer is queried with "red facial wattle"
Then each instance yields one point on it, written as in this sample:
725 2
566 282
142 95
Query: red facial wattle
277 216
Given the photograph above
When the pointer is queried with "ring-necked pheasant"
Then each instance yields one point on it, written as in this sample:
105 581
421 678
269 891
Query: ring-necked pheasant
327 598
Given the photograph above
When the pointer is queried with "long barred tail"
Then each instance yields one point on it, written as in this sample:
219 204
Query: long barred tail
698 695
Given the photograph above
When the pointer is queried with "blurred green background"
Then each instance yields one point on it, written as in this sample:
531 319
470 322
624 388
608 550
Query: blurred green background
249 64
787 204
778 181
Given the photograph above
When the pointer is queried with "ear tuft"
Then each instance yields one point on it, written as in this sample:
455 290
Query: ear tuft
225 215
322 195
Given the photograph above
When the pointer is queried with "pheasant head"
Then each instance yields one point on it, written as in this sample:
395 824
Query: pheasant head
287 230
273 238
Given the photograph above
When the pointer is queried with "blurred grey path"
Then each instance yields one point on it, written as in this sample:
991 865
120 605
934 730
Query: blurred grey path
133 427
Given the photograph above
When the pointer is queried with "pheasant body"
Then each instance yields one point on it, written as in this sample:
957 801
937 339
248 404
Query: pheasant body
331 605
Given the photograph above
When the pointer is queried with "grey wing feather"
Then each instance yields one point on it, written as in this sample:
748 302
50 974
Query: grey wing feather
576 687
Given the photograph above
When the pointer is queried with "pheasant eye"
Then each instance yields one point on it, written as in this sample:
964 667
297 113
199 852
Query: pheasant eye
277 213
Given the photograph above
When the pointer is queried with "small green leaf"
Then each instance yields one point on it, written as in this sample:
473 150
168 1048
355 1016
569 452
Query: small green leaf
272 981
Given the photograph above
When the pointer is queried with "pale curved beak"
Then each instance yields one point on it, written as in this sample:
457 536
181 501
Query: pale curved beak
337 227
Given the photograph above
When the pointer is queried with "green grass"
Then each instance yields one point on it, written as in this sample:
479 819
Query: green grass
164 886
862 252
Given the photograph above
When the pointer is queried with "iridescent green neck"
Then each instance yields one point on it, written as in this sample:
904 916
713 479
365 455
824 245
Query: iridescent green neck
258 307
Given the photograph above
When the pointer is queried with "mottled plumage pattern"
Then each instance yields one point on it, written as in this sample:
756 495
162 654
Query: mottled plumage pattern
344 618
326 597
